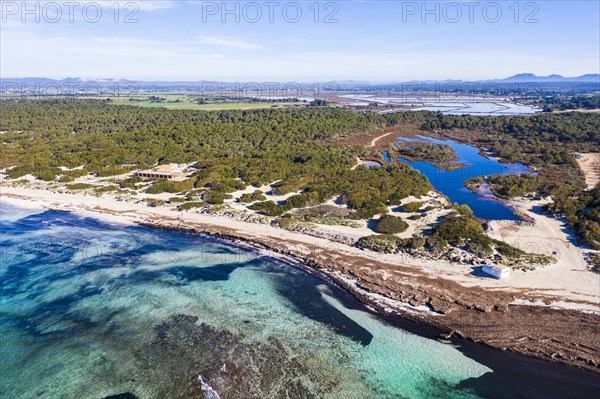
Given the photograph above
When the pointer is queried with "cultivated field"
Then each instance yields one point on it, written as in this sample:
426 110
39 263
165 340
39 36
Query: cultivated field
170 101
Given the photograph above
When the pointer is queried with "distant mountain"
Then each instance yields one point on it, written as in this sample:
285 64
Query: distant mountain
91 84
520 78
590 77
27 81
74 82
531 78
78 82
590 82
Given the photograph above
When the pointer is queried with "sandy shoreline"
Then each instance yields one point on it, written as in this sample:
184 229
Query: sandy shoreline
434 292
548 235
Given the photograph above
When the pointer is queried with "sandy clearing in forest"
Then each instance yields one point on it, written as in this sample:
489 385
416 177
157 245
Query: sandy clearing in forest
586 111
590 165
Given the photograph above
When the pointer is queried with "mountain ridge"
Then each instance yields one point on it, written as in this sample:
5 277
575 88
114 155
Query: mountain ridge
518 78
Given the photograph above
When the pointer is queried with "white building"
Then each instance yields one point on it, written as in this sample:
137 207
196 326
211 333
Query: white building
171 172
497 271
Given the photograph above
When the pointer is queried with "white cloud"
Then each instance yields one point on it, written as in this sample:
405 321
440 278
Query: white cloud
34 52
31 53
227 42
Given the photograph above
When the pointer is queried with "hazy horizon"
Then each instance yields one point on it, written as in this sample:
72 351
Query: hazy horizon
369 81
298 41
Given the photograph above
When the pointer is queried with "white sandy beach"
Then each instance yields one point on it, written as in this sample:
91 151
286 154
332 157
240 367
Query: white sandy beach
566 284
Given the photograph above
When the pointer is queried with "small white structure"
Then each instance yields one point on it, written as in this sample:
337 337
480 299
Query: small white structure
497 271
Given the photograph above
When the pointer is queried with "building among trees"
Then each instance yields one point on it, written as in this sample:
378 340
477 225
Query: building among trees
171 172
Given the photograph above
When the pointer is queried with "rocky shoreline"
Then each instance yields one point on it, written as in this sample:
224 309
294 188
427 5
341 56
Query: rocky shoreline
524 320
478 315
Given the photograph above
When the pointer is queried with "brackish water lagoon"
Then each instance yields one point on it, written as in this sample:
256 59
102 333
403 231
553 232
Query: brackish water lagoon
446 103
452 182
92 309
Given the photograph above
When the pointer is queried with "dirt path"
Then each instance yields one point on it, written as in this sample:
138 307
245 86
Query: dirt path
376 139
553 237
358 163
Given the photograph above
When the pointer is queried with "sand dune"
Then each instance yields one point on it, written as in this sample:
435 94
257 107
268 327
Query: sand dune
590 165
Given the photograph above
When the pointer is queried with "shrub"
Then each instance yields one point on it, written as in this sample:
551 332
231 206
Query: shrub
258 196
66 179
169 186
245 198
112 171
155 202
456 229
383 243
227 185
436 245
215 198
79 186
412 207
255 196
389 224
105 189
464 210
47 175
370 209
417 242
71 175
130 183
302 200
595 262
289 186
268 208
19 171
194 195
189 205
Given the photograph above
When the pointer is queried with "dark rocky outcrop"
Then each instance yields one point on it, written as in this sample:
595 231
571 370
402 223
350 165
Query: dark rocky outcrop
557 335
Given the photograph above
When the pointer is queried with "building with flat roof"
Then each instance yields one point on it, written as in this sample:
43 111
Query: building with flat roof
497 271
171 172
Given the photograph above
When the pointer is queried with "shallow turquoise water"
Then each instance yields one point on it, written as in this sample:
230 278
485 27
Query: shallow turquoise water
91 309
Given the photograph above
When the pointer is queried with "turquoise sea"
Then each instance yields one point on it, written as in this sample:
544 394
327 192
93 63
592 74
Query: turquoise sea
91 309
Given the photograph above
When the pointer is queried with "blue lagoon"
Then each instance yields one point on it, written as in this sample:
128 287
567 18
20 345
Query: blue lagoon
452 182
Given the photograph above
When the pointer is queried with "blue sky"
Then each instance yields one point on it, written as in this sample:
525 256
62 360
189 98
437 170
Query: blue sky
379 41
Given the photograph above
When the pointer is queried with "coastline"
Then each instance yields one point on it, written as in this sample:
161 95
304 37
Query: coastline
507 318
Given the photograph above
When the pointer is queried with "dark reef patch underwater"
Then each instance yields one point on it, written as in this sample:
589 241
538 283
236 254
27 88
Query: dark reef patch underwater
91 309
